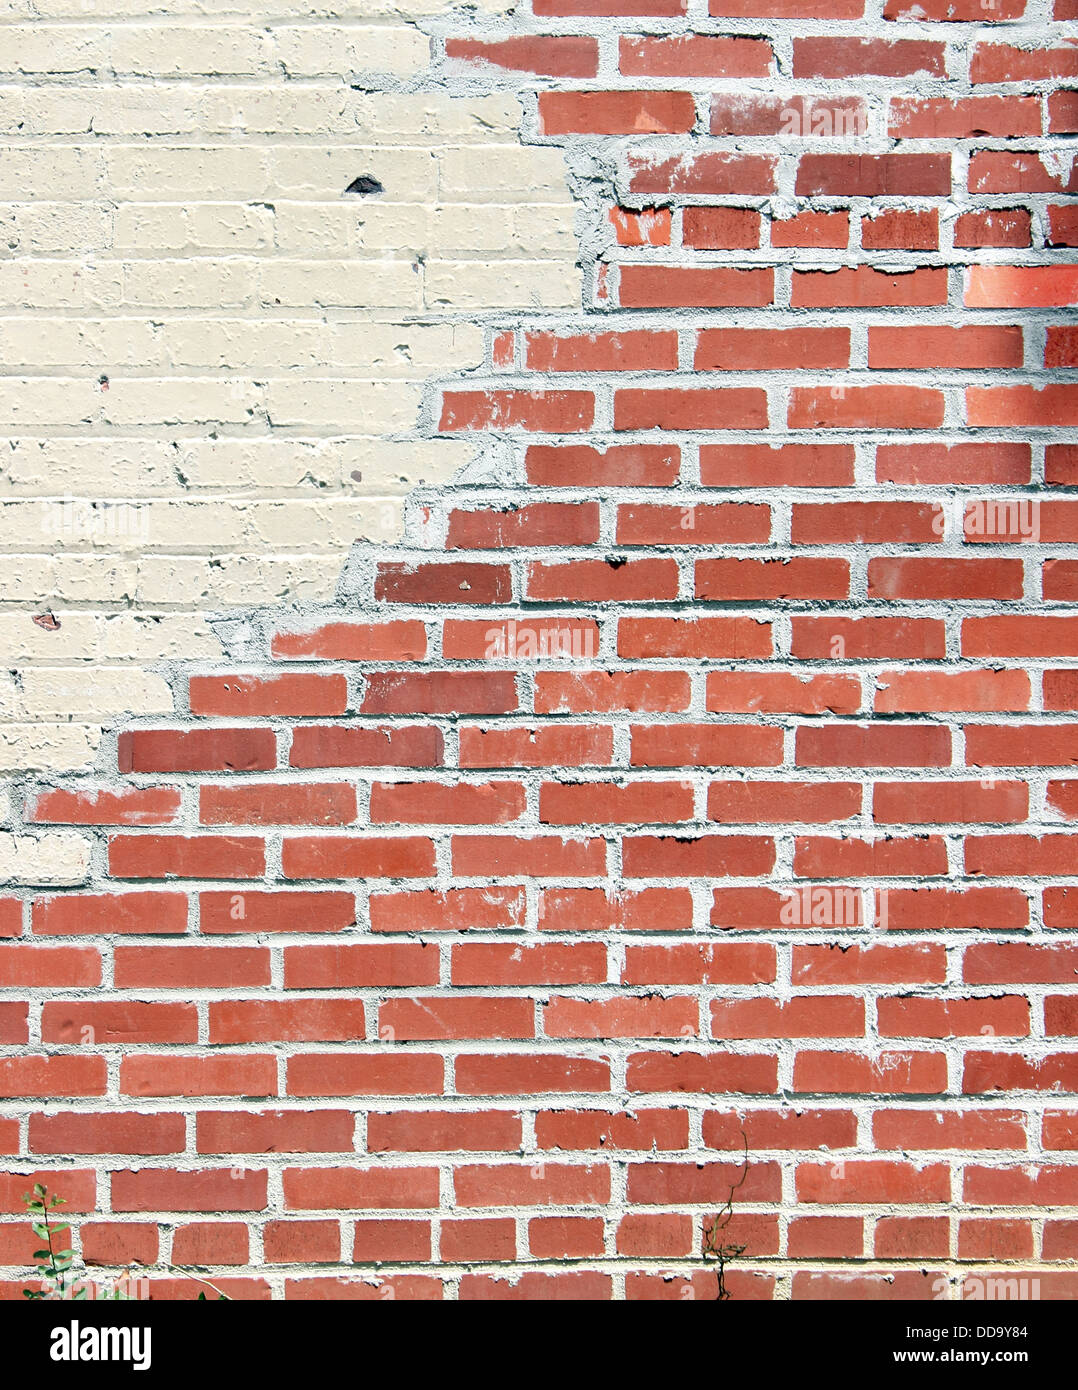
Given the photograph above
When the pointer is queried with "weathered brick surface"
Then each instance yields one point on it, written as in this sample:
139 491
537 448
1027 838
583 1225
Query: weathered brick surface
691 779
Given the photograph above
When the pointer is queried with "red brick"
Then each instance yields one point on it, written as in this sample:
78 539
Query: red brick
276 803
1062 226
824 229
747 803
943 802
554 412
597 803
616 112
96 1024
701 856
208 1189
544 856
889 1073
622 465
929 692
137 806
872 175
366 1074
694 55
781 693
659 287
649 1017
949 1129
439 692
549 1184
832 1016
852 57
768 465
705 745
1043 856
606 691
741 963
791 116
190 967
993 227
902 578
632 351
458 582
953 1018
769 349
551 746
358 857
693 638
565 1237
873 745
642 1129
119 1242
867 407
456 909
866 523
342 1189
355 966
1004 62
594 909
941 346
648 227
950 118
434 803
491 1238
399 641
302 1242
953 463
186 856
1018 171
197 750
867 1180
705 523
172 1074
820 857
278 1131
852 639
548 57
1021 286
211 1243
781 1129
488 1074
603 581
713 174
720 229
921 964
334 745
245 697
468 1016
275 911
799 578
865 287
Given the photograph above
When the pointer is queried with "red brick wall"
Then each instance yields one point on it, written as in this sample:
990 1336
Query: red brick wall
695 777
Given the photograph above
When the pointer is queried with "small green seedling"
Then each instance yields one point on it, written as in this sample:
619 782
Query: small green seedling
58 1279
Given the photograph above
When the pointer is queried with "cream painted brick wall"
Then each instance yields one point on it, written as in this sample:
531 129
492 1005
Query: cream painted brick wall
212 359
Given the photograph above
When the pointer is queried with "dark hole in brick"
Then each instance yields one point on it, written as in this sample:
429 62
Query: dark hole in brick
366 183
